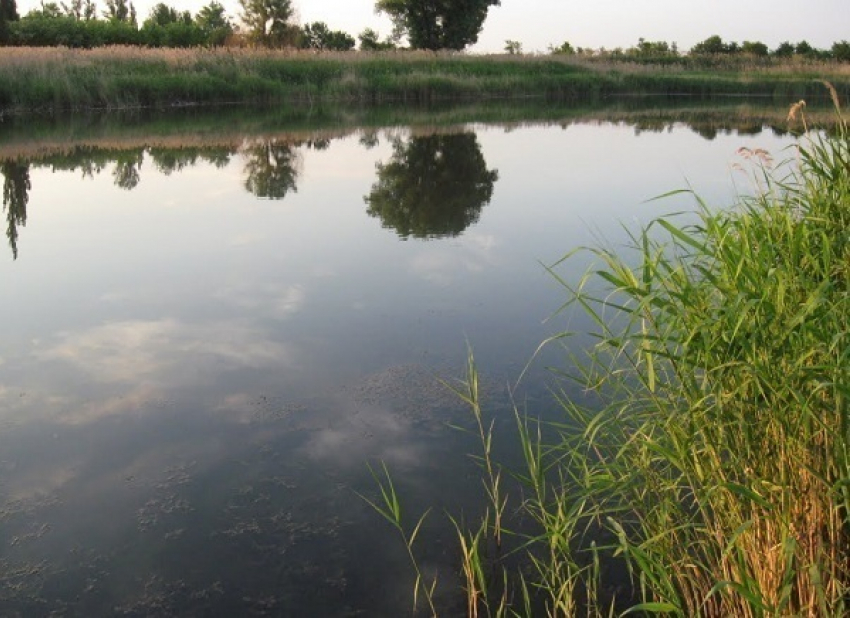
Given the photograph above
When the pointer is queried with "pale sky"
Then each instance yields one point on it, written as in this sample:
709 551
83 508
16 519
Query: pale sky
595 23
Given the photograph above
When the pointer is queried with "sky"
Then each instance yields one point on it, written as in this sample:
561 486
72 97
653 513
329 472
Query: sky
537 24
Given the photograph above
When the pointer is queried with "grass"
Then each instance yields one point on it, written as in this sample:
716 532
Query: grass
120 77
713 460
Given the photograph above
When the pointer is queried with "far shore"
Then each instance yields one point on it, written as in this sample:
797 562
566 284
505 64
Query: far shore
62 79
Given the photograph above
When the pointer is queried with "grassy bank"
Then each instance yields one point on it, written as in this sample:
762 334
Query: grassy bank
712 462
116 77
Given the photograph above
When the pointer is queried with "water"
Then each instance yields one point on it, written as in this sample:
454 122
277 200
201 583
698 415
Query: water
210 329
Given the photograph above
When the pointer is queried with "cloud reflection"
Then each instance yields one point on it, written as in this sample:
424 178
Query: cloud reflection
441 267
164 351
279 301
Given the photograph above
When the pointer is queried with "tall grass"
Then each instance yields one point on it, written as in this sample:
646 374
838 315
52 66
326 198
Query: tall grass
117 77
720 458
714 460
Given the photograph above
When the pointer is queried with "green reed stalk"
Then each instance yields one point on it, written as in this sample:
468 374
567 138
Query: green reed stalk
719 460
714 458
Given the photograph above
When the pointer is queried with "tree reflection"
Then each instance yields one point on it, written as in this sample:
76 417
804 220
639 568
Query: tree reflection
271 169
433 186
127 166
16 186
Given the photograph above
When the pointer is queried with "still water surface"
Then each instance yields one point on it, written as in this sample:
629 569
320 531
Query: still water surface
204 340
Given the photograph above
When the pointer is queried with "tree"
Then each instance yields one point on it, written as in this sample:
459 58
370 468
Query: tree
755 48
433 186
214 23
89 10
162 15
841 51
49 10
564 49
268 21
8 13
318 36
803 48
437 24
118 10
512 47
370 41
714 45
784 50
16 187
74 9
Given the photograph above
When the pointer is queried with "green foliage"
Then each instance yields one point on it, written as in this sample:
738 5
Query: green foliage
714 45
118 10
162 15
436 24
370 41
173 34
784 50
214 23
268 21
8 11
564 49
803 48
8 14
319 37
755 48
513 47
37 30
841 51
653 48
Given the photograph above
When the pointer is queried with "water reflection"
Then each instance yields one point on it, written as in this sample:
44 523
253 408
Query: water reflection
16 186
183 430
271 169
433 186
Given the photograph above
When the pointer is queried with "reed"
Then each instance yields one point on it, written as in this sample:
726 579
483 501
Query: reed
719 460
710 455
120 77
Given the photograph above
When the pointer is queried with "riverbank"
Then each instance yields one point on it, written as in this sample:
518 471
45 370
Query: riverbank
60 79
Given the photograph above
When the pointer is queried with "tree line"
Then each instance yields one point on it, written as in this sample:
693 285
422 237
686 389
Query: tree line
712 46
432 24
424 24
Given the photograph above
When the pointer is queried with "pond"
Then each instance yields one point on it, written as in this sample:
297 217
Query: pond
213 323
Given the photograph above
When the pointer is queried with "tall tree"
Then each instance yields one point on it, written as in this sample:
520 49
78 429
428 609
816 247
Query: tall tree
437 24
8 13
73 9
268 20
318 36
214 23
117 10
162 15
